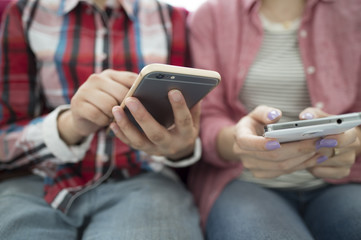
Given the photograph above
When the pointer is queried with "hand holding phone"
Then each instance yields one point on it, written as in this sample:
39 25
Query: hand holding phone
156 80
148 100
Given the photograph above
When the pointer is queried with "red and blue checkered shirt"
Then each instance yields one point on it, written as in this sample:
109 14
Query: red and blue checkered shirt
48 49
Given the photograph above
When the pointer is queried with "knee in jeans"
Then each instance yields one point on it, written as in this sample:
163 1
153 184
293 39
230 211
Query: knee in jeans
166 190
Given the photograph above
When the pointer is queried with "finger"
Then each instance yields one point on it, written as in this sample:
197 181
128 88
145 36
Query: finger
101 92
311 113
311 162
256 164
182 116
155 132
330 172
93 114
266 174
118 133
265 114
136 139
102 101
247 136
115 89
123 77
345 139
346 157
255 143
328 152
250 128
292 150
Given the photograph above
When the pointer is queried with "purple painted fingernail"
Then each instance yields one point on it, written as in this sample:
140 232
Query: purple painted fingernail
321 159
272 145
327 143
272 115
307 116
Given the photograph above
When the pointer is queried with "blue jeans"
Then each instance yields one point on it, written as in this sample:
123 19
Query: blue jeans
247 211
150 206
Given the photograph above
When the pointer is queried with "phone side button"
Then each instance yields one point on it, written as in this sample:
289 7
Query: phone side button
312 133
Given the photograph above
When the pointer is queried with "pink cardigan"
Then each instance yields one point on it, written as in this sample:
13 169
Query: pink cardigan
225 36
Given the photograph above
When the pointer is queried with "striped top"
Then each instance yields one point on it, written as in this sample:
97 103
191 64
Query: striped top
277 79
48 49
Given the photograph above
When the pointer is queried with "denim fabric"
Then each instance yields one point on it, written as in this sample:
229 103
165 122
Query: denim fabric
247 211
150 206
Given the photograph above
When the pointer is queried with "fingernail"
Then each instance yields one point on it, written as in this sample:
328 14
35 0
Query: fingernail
117 115
113 129
132 105
272 115
272 145
307 116
321 159
176 95
328 143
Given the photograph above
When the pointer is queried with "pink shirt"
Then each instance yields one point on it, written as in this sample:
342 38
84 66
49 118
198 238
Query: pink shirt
226 36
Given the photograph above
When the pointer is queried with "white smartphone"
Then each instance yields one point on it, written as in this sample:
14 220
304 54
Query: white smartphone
306 129
156 80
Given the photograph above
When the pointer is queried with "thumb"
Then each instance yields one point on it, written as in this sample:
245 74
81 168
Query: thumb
265 114
311 113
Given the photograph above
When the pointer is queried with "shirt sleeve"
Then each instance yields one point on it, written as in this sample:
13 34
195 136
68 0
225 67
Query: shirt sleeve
184 162
214 115
62 152
28 133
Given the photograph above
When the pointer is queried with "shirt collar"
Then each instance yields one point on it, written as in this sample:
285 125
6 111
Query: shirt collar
249 3
63 7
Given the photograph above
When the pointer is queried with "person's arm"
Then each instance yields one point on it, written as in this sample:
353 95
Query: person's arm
215 115
28 134
19 95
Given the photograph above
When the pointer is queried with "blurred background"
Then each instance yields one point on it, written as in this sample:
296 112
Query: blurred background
191 5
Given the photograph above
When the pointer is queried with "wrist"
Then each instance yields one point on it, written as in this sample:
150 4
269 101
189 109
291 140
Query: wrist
225 142
185 161
67 130
183 155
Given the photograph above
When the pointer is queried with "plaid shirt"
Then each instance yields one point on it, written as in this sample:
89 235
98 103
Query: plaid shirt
48 49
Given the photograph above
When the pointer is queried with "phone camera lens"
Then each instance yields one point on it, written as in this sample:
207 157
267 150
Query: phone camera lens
159 76
339 121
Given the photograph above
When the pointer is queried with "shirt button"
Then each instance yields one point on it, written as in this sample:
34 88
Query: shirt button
319 105
311 70
241 72
303 33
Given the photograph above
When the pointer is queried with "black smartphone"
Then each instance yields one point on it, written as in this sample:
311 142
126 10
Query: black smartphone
156 80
